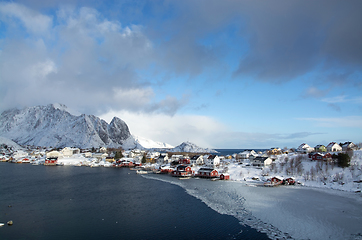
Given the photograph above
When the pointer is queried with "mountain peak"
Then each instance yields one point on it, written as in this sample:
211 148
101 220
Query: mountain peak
53 125
191 147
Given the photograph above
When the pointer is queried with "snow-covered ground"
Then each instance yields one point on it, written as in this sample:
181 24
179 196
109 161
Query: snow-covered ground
310 173
315 209
295 212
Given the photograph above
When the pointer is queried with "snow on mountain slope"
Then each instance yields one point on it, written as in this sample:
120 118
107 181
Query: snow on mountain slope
191 147
147 143
10 143
53 125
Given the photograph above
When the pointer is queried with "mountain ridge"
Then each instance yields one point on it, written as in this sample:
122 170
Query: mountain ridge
54 126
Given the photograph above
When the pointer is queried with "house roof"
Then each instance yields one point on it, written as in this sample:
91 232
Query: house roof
206 169
181 167
262 159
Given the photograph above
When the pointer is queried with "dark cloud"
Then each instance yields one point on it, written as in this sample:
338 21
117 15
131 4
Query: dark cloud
290 38
84 57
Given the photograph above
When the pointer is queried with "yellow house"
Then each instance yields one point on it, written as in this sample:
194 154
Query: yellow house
276 151
150 160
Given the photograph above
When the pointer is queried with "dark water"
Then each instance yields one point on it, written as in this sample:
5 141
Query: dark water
49 202
225 152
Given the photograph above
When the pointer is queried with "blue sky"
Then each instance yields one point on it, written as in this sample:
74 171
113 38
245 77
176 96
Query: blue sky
221 74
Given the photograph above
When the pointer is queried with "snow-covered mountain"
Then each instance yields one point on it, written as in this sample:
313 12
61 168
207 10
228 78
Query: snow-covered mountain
191 147
147 143
57 126
53 125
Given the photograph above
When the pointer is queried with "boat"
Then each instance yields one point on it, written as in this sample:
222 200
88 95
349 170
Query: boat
141 172
182 178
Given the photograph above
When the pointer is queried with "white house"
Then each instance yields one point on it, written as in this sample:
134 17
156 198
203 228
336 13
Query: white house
213 160
197 160
68 152
176 157
53 154
163 159
247 154
333 147
103 150
20 154
305 148
100 156
349 146
261 161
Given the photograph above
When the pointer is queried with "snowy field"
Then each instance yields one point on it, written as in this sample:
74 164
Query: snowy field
282 212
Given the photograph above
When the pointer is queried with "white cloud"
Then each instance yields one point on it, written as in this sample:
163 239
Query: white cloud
342 99
201 130
348 121
33 21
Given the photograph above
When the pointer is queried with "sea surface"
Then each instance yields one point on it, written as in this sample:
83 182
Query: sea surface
53 202
225 152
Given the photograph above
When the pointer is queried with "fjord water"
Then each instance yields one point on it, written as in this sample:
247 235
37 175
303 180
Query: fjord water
49 202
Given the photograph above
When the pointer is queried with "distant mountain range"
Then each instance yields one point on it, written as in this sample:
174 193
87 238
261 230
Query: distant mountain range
54 126
191 147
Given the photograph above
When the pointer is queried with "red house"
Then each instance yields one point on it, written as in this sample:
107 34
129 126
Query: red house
52 161
126 164
184 161
166 169
276 180
322 157
184 168
207 173
289 181
177 173
224 176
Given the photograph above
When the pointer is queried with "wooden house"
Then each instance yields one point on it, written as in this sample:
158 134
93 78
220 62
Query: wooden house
68 152
348 146
197 160
182 171
213 160
333 147
246 154
207 173
163 159
184 160
166 169
322 157
320 148
224 176
305 148
53 154
275 151
261 161
110 159
51 161
289 181
184 168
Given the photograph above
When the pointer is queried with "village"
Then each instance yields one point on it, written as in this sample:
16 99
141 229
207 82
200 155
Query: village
271 167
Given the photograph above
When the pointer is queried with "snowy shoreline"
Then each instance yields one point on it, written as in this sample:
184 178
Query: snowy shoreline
285 212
